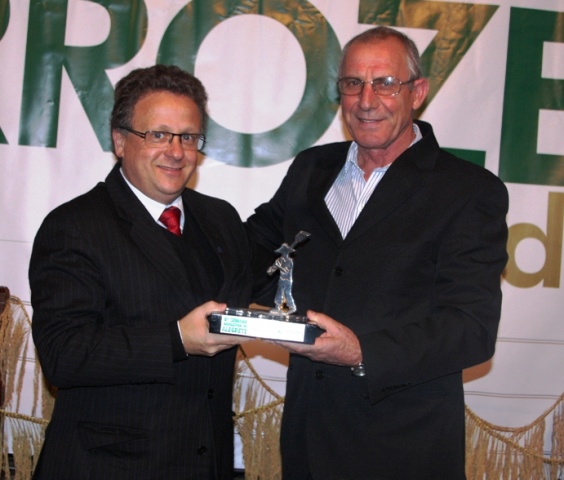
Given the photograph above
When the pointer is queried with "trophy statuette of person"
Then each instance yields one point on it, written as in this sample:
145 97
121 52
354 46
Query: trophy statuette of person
278 323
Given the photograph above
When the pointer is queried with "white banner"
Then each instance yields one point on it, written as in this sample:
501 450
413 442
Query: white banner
497 98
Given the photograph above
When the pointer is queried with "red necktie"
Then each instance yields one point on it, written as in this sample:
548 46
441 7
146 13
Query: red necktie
170 218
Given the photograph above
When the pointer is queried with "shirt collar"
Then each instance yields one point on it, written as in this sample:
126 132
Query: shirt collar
352 155
155 208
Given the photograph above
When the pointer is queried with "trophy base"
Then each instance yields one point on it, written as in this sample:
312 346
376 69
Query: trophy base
264 324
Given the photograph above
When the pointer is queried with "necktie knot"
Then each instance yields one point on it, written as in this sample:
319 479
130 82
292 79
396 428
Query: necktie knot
170 218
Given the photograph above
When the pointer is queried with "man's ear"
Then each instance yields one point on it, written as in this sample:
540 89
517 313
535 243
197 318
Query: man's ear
118 138
420 91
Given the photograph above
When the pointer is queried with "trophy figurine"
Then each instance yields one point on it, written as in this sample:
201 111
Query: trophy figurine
284 300
278 323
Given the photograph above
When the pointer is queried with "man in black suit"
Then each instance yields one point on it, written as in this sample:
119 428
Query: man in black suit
404 260
120 301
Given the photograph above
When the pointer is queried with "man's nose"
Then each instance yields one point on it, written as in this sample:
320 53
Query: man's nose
174 147
367 97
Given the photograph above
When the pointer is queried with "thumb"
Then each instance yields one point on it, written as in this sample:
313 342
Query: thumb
317 317
213 306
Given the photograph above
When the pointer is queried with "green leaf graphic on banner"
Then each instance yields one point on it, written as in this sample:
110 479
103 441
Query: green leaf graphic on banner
4 20
4 16
457 24
47 55
527 92
319 103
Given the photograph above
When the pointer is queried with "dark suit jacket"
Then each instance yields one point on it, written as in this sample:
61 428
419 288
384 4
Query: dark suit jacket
418 280
107 290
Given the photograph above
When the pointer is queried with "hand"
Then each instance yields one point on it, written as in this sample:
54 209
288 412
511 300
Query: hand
338 345
196 336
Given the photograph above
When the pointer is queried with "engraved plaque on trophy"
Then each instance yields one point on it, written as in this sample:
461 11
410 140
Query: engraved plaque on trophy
278 323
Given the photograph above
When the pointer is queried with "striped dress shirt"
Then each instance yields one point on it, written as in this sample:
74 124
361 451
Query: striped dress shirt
350 192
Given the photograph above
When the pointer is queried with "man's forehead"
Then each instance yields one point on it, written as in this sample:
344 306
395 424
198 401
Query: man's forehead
373 54
378 46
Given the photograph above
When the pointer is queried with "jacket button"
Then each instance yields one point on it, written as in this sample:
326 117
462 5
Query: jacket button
202 450
319 374
210 393
338 271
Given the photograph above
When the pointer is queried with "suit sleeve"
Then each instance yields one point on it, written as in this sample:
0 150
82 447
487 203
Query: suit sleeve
265 233
79 335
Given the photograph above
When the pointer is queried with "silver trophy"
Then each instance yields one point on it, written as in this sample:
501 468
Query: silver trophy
278 323
284 300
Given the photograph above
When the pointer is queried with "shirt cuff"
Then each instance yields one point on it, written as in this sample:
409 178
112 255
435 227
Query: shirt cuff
178 352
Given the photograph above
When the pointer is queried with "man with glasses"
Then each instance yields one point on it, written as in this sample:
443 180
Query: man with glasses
402 270
122 279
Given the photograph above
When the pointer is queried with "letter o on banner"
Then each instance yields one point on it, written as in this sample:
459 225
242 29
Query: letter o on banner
319 103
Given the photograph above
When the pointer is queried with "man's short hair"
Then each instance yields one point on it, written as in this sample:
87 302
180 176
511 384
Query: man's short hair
138 83
376 34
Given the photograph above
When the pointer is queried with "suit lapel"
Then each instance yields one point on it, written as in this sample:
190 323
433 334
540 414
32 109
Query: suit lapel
147 235
323 175
403 179
214 235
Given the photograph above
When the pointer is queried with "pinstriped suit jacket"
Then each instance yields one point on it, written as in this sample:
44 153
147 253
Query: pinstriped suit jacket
105 289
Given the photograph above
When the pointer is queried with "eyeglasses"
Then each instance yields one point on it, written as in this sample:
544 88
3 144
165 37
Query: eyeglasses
383 86
189 141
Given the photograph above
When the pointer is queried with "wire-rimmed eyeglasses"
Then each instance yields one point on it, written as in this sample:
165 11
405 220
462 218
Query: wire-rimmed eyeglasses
189 141
383 86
